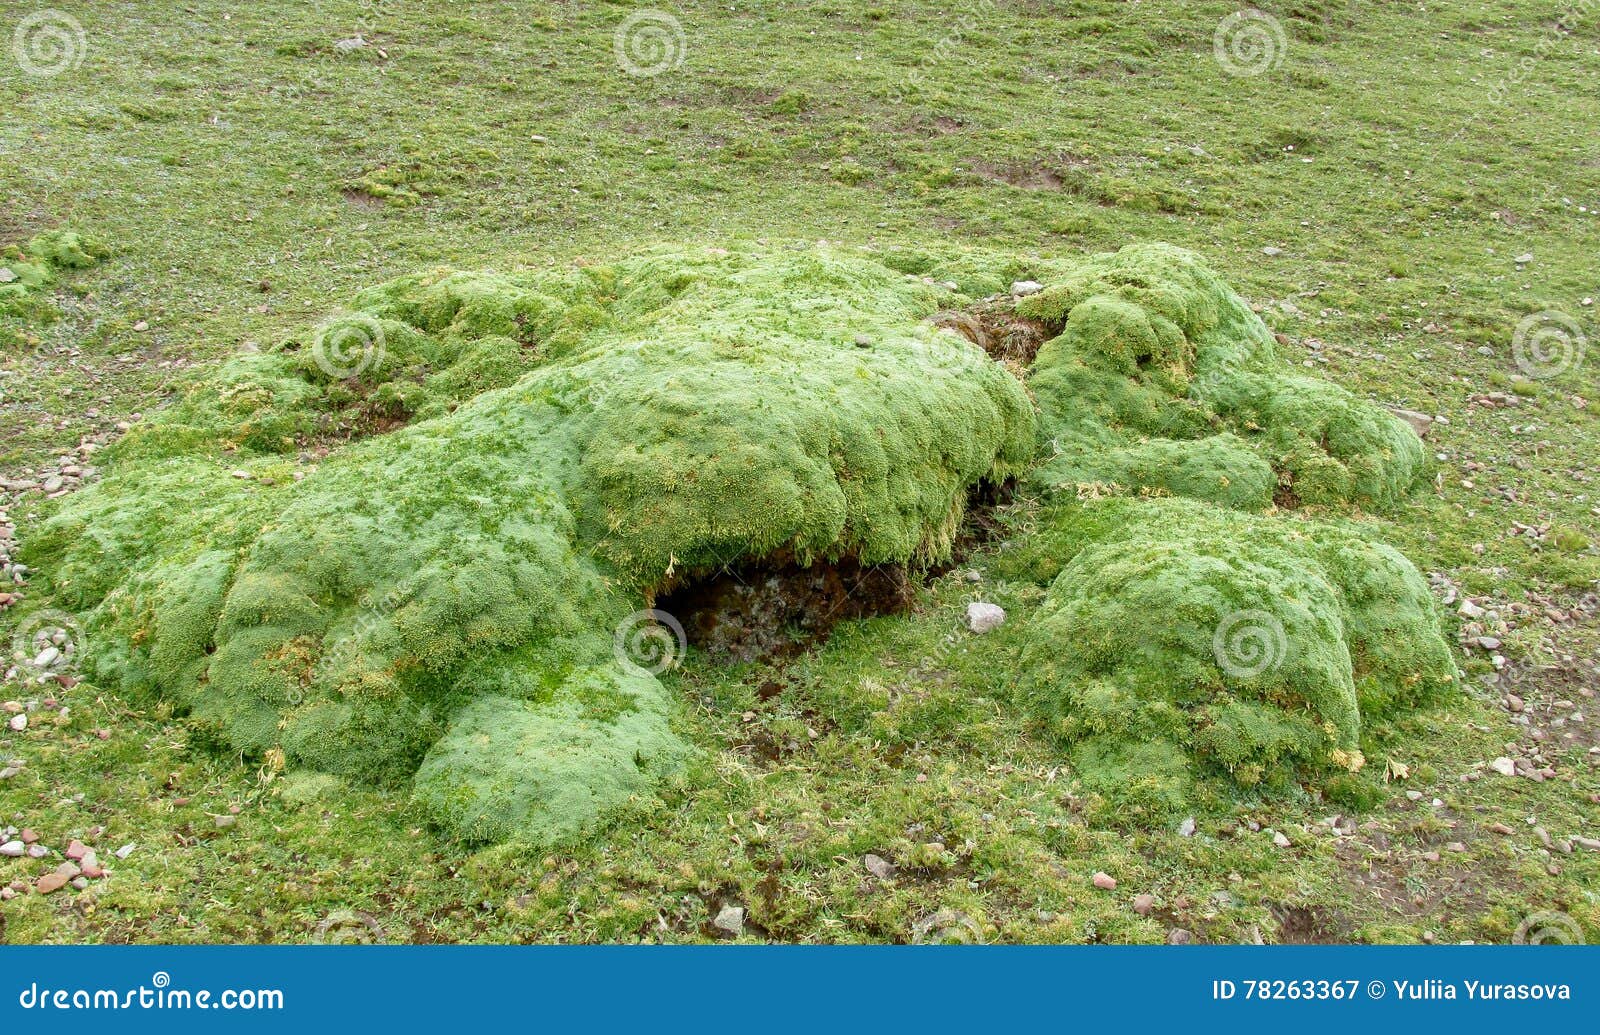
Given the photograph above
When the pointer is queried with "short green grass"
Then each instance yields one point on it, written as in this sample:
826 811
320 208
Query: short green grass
249 177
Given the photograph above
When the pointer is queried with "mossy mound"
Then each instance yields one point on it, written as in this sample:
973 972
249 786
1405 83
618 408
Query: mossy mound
515 463
1160 378
1273 640
409 546
28 272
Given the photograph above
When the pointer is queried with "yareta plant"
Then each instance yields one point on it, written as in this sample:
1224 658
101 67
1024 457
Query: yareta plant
411 546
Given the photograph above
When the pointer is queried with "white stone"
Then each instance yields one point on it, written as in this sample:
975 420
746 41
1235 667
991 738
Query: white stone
730 919
983 617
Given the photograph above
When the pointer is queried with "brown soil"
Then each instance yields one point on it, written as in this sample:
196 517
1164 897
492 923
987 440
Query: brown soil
775 607
993 327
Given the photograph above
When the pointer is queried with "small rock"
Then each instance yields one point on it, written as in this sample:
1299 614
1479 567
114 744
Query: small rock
50 882
1591 843
1104 881
76 850
983 617
17 723
1186 828
1501 828
1144 904
345 46
1514 703
8 772
27 836
37 851
1489 642
1280 840
1272 251
13 849
1414 795
879 867
1523 259
730 919
1178 936
142 326
1022 288
1432 857
125 851
1420 422
224 822
1504 766
80 882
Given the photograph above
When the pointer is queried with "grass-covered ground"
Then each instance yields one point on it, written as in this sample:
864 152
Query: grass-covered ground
1424 180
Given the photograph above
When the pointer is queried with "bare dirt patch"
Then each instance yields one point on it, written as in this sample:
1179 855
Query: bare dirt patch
996 329
776 607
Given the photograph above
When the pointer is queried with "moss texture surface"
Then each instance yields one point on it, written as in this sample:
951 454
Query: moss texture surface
402 547
27 272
